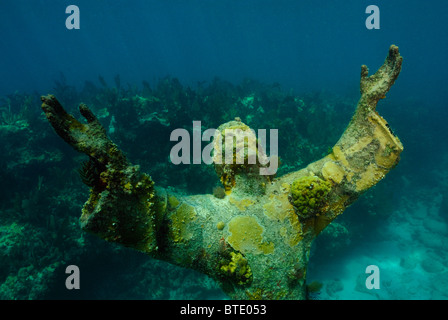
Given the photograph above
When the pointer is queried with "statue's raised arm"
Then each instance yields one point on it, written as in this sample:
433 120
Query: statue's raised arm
365 153
255 241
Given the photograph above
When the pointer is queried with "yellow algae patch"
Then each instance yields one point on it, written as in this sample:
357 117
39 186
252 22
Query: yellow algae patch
360 145
278 208
389 150
243 204
173 202
180 220
390 145
286 187
292 234
331 157
331 171
369 177
338 155
293 238
387 156
290 239
349 175
382 132
246 236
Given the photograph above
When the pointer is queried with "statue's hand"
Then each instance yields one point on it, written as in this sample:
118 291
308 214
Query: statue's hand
89 138
376 86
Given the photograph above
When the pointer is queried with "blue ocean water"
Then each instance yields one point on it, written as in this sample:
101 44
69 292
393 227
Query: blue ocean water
301 46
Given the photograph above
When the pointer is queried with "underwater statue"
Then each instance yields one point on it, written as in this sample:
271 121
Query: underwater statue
254 242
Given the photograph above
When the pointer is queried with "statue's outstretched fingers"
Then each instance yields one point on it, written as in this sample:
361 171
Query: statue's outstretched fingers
63 123
89 138
375 87
394 61
87 113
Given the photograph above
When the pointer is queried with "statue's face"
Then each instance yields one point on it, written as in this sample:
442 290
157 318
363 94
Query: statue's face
236 149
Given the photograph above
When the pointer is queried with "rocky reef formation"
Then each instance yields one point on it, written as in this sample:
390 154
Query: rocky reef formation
255 241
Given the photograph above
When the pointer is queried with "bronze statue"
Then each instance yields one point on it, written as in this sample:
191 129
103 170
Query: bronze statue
255 241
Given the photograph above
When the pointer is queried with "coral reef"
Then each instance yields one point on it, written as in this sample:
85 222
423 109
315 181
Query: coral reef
308 195
257 241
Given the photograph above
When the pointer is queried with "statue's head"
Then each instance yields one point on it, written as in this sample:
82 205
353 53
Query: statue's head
239 154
